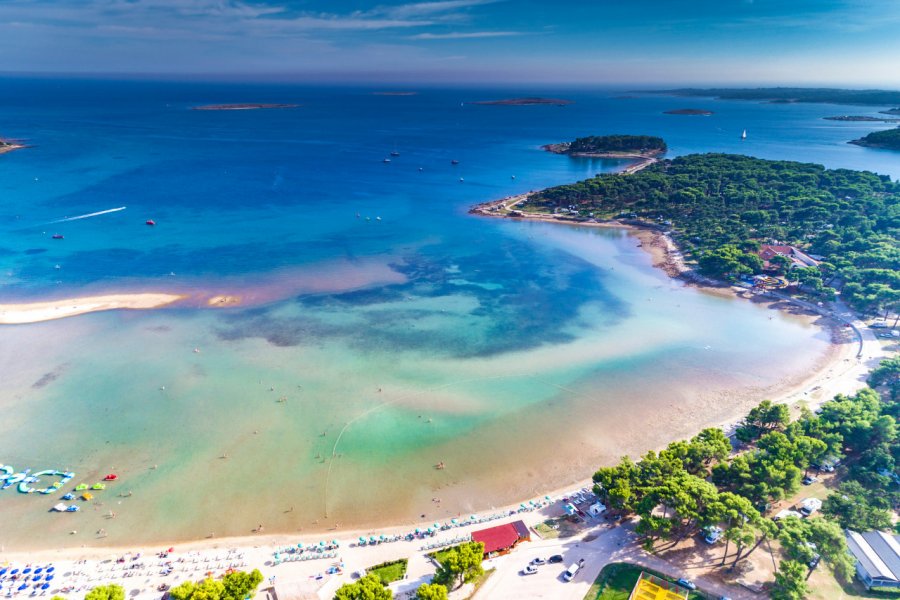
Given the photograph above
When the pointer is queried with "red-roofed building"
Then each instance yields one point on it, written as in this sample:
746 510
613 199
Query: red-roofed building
797 257
502 538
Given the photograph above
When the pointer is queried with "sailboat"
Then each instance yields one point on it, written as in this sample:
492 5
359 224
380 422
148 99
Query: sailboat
744 135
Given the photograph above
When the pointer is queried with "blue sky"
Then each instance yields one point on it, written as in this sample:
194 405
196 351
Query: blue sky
841 42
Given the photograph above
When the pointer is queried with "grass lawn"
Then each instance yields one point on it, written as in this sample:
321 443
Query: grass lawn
616 581
825 586
388 572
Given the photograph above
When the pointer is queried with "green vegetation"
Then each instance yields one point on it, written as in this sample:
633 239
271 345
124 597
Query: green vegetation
616 581
460 564
887 374
889 139
721 207
613 143
390 571
431 591
790 582
367 588
106 592
694 484
234 586
815 95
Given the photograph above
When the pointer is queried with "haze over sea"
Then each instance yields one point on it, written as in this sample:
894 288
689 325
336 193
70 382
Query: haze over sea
519 354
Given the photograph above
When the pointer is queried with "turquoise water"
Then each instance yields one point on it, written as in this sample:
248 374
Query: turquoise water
520 355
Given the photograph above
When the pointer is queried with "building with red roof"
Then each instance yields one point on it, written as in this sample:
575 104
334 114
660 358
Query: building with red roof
502 538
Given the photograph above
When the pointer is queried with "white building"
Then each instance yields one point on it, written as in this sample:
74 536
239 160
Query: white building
877 557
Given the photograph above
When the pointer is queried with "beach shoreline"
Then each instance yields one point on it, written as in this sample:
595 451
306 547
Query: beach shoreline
839 370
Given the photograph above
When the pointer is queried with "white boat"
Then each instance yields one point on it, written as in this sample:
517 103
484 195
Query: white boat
744 135
60 507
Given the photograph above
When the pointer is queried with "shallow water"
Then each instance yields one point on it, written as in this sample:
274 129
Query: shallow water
520 355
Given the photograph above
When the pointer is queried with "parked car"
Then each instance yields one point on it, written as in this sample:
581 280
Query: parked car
556 558
529 570
569 574
712 534
809 480
687 583
538 561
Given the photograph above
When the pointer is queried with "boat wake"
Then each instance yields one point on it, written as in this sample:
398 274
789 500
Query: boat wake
89 215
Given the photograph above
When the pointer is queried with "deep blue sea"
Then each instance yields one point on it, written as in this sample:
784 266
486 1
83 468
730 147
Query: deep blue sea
382 329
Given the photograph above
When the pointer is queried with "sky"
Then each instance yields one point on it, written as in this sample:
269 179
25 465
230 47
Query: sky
594 42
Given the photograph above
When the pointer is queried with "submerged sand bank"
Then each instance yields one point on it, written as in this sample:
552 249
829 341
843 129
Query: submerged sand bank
35 312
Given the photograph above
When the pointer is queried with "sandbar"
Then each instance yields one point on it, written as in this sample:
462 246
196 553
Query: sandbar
36 312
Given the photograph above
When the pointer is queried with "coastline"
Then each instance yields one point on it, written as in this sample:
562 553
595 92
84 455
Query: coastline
36 312
839 370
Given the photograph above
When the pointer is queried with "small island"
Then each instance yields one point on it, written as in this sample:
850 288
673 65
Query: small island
395 93
891 111
531 101
243 106
888 139
9 146
689 111
862 119
612 146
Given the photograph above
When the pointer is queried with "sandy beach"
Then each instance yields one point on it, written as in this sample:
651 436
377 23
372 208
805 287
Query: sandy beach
9 147
35 312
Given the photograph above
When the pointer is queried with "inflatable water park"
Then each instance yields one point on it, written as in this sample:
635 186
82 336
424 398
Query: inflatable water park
27 482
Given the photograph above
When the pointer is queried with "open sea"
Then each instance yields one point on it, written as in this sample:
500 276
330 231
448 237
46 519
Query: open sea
383 330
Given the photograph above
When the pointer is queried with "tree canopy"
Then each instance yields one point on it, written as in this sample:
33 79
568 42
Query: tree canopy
366 588
106 592
889 139
431 591
721 207
233 586
461 564
616 143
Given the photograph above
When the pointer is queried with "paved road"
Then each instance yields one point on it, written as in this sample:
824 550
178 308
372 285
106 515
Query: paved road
612 544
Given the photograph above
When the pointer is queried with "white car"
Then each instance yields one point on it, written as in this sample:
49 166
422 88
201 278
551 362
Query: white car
529 570
570 573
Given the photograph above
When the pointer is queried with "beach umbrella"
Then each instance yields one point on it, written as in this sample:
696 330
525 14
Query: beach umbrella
26 570
372 539
334 543
321 543
14 571
2 571
36 578
48 577
363 540
23 586
38 570
454 521
51 568
472 517
45 586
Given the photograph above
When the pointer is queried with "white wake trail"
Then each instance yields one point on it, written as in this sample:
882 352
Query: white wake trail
89 215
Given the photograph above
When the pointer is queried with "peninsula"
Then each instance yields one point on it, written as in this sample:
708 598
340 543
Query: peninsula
720 223
524 101
891 111
789 95
689 111
242 106
888 139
